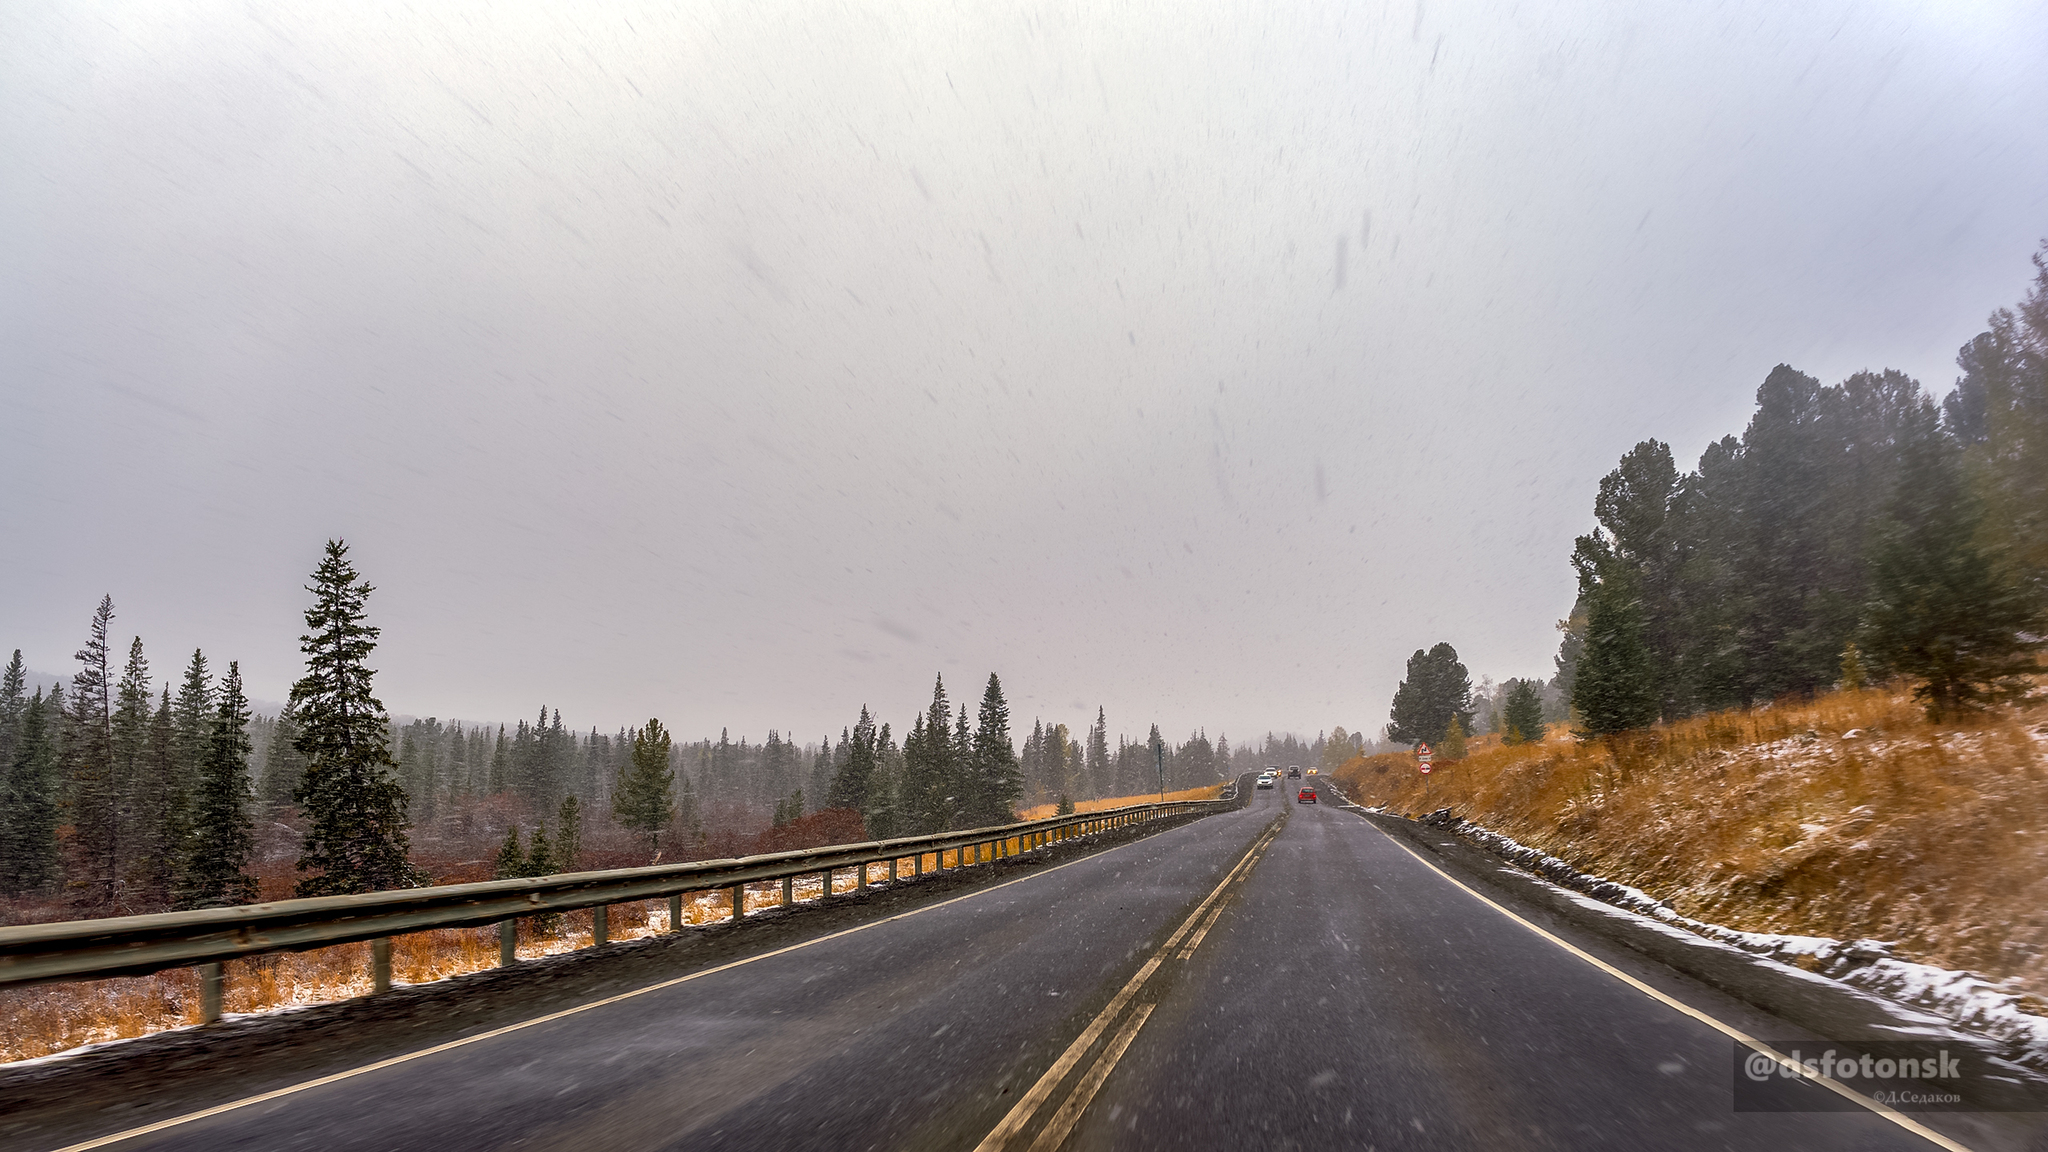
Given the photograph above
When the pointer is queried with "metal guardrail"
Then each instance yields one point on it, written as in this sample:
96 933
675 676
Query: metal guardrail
138 945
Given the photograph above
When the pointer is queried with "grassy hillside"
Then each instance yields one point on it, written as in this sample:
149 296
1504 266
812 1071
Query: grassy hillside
1848 816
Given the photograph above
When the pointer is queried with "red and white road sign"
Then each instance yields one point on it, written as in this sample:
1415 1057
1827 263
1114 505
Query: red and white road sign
1423 755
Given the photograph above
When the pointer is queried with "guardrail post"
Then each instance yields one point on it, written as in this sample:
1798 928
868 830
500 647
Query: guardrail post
917 865
675 913
600 926
508 943
893 862
788 891
380 964
860 876
210 981
739 903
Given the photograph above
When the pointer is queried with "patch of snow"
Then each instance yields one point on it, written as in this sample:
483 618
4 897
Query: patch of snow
1969 1000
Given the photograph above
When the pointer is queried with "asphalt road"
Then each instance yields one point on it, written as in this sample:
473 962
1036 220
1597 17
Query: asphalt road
1285 976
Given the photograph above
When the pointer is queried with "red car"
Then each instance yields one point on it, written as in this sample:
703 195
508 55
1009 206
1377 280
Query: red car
1305 796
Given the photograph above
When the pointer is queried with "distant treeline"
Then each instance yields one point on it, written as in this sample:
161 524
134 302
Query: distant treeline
120 794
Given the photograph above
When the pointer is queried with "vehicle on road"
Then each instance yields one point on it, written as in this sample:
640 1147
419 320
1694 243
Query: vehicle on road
1311 771
1294 772
1265 782
1305 796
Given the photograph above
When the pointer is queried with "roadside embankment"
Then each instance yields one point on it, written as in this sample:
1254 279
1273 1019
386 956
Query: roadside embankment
1850 817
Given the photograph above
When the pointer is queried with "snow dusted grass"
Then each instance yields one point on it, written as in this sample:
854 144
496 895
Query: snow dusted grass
51 1018
1850 817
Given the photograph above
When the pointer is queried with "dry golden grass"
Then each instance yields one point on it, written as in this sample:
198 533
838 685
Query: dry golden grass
1847 816
1042 811
51 1018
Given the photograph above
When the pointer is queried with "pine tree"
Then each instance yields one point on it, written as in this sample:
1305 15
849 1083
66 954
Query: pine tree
501 765
160 812
960 770
193 717
283 764
1522 716
850 786
540 860
1941 611
928 767
511 861
882 817
1438 690
28 804
1452 746
645 800
94 795
130 781
1097 782
223 836
998 782
190 736
1614 690
13 703
1155 768
1854 674
569 833
355 810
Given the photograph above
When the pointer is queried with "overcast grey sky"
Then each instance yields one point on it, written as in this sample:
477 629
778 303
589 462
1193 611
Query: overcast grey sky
743 363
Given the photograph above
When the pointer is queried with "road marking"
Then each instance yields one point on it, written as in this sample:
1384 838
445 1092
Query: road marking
1195 941
1021 1113
435 1050
1055 1131
1828 1082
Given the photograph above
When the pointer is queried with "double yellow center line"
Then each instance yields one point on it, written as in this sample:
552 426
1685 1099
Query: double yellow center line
1069 1112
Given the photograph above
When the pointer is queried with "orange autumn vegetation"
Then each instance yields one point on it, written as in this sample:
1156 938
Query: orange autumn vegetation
1850 815
1043 811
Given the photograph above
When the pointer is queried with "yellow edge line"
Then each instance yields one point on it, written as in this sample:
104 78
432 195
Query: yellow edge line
1022 1112
1784 1061
394 1061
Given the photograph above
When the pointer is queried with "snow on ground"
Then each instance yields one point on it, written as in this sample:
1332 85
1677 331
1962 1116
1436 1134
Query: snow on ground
1968 1000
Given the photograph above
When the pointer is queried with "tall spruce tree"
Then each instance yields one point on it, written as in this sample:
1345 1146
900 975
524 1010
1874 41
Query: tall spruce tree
13 702
851 784
929 766
960 758
997 780
29 804
93 793
645 800
1097 778
193 716
222 838
132 784
356 837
